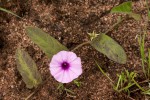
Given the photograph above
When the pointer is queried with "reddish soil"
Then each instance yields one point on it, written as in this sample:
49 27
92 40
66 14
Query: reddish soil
68 21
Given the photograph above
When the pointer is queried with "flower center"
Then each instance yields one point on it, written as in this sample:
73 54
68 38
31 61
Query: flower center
65 65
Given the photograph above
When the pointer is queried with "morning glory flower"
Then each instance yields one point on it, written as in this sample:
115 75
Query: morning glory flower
65 66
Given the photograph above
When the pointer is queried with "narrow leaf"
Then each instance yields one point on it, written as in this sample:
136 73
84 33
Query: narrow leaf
27 68
149 15
7 11
148 62
148 9
125 7
147 92
47 43
110 48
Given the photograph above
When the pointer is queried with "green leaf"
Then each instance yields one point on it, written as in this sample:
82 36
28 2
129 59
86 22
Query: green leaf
27 68
110 48
47 43
125 7
7 11
135 16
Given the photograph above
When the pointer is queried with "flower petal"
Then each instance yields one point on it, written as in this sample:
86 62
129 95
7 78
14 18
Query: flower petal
76 63
72 56
73 75
55 70
56 60
63 55
59 76
76 69
66 77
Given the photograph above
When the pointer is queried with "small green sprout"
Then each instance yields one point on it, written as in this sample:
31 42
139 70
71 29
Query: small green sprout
77 83
93 35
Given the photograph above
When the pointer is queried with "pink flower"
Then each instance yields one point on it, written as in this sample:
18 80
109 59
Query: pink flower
65 66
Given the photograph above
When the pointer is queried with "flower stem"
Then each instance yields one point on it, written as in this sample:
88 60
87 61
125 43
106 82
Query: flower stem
116 24
80 45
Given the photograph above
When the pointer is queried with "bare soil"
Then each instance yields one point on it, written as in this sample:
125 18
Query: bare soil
69 21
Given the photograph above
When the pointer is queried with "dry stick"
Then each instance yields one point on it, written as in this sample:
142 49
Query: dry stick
145 81
29 96
38 88
128 96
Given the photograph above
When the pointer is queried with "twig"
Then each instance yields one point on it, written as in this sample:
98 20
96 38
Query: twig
128 96
29 96
37 89
145 81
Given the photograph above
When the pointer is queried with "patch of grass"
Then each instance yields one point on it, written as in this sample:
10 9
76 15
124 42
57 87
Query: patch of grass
145 59
125 81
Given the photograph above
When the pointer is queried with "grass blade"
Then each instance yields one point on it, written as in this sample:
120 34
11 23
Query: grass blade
141 41
7 11
103 72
